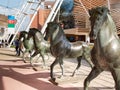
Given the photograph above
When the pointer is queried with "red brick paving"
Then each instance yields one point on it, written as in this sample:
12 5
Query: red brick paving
17 75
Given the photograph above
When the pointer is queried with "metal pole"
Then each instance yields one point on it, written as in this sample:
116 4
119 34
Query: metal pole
36 10
108 4
84 8
58 8
52 13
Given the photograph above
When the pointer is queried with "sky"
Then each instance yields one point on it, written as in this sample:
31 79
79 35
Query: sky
7 6
11 3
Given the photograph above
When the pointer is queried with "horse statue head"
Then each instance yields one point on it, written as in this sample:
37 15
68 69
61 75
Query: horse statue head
52 28
98 15
23 35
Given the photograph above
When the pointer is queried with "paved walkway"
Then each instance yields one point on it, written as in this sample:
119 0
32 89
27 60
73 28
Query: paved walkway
17 75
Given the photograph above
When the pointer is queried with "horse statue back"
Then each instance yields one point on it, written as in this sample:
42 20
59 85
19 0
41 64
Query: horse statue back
60 47
106 51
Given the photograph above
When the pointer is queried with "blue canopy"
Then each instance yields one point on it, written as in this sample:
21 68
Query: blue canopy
67 6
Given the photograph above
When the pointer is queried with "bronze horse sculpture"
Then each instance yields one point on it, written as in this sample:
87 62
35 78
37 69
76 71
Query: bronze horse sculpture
60 47
27 43
106 50
34 40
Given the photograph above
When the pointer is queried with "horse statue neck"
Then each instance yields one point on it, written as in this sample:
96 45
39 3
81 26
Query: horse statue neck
107 32
57 36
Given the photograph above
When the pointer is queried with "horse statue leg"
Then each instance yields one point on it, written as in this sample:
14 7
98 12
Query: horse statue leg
87 56
24 56
32 56
43 58
47 55
78 65
116 75
24 59
59 60
88 60
61 66
93 74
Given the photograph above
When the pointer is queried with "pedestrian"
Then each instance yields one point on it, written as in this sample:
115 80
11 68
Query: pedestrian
17 47
20 48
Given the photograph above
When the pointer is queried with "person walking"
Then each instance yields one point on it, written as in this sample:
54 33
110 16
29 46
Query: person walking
20 48
17 47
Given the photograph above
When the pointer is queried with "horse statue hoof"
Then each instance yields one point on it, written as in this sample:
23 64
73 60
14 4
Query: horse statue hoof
35 69
53 81
24 61
72 75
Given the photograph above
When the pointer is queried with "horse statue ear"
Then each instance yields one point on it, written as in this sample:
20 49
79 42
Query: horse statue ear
90 12
105 9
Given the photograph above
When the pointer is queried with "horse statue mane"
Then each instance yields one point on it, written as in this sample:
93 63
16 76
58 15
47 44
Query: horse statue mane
33 31
23 32
56 28
101 15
